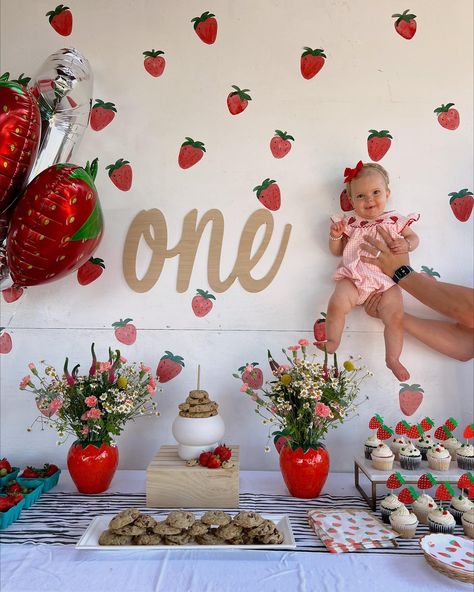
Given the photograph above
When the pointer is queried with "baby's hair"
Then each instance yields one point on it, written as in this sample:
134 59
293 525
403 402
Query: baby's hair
370 166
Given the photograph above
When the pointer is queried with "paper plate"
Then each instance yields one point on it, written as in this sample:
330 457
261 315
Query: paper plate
450 554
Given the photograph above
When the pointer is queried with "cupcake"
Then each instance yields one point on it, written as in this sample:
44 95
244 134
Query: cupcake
440 520
410 457
389 504
465 457
459 505
467 521
438 458
382 458
423 444
404 522
422 506
370 445
451 445
396 444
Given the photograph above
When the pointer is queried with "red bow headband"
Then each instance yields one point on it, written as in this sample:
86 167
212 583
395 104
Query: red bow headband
349 174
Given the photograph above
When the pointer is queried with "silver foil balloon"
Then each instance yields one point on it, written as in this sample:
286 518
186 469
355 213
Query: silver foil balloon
63 88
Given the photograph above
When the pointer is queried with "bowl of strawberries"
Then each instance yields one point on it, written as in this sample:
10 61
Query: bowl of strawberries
30 489
7 472
48 475
10 508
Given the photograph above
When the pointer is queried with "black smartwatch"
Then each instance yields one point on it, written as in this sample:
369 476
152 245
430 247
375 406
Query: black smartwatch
401 272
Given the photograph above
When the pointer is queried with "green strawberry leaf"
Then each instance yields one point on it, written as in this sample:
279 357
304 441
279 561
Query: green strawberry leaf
92 227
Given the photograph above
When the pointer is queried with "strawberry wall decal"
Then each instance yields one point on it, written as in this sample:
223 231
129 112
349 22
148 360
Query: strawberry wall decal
125 331
169 367
190 153
429 272
345 202
102 113
378 144
237 101
120 174
6 343
90 271
12 294
447 116
202 303
61 20
311 62
410 397
206 27
154 62
252 375
319 328
268 193
461 203
280 144
405 25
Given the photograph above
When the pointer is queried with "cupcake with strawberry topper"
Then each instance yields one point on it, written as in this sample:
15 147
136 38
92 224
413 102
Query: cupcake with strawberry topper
440 520
438 458
396 444
410 457
451 443
391 503
404 522
382 456
465 453
424 503
372 442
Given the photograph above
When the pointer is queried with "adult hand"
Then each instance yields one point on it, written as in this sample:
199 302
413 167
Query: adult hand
383 257
372 303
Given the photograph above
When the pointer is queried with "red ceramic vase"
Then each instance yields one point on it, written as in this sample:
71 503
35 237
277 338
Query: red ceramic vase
304 473
92 466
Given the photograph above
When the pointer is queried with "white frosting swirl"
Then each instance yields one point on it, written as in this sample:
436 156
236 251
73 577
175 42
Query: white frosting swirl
391 502
409 450
373 441
438 451
465 450
402 517
382 451
441 516
461 503
425 442
452 443
424 501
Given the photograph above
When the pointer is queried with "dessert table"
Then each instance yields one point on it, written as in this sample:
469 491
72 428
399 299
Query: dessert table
61 567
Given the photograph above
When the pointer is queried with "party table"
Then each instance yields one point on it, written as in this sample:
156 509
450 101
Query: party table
50 562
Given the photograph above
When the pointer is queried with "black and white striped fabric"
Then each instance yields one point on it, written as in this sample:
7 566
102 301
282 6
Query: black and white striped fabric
61 518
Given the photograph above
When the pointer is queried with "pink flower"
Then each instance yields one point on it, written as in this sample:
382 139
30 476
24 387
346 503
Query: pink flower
91 401
104 366
152 382
150 389
55 404
303 342
94 413
248 368
85 430
144 368
31 366
254 397
293 348
123 360
25 381
322 410
284 367
244 388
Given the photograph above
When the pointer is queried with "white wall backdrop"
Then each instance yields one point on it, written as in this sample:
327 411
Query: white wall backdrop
372 79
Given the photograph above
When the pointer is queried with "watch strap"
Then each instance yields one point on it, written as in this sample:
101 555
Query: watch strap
401 273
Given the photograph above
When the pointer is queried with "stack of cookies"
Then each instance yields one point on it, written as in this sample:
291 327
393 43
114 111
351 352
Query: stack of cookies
215 527
198 404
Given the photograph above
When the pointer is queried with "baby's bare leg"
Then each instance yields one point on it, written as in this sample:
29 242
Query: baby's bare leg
391 313
342 301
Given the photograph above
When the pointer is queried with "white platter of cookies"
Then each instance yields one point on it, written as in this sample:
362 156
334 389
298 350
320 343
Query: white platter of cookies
216 529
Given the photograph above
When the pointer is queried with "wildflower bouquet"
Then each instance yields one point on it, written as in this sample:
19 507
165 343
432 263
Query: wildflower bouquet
306 398
95 406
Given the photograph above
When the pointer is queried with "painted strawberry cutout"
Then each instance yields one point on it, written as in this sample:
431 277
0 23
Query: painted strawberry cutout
384 433
444 492
451 423
442 433
61 20
154 62
268 193
378 143
461 203
190 153
311 62
319 329
169 367
345 202
90 271
202 303
469 431
375 422
206 27
410 397
238 100
408 495
120 174
426 481
429 272
5 341
402 427
102 114
12 294
427 423
466 480
280 144
447 116
125 331
395 481
415 432
405 25
252 375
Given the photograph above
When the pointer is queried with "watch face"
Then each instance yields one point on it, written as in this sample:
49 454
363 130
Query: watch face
401 272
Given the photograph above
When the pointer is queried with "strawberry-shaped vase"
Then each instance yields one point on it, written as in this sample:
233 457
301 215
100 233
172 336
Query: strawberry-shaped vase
304 473
92 465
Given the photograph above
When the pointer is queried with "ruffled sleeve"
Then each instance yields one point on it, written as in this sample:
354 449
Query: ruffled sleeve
405 221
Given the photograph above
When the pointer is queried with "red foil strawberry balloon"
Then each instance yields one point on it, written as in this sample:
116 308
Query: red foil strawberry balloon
56 226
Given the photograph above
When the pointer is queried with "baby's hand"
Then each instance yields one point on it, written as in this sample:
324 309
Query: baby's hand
337 229
399 246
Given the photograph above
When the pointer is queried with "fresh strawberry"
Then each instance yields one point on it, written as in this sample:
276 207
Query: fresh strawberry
426 481
466 481
375 422
13 487
410 397
6 502
280 144
214 462
202 303
125 331
451 423
16 498
190 153
49 470
223 452
378 143
402 427
429 272
12 294
204 458
442 433
384 433
405 25
408 495
6 343
444 492
30 473
461 203
4 464
395 481
311 62
120 174
169 366
415 431
90 271
61 20
427 423
253 376
469 431
345 202
206 27
101 114
319 329
154 63
238 100
268 193
447 116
